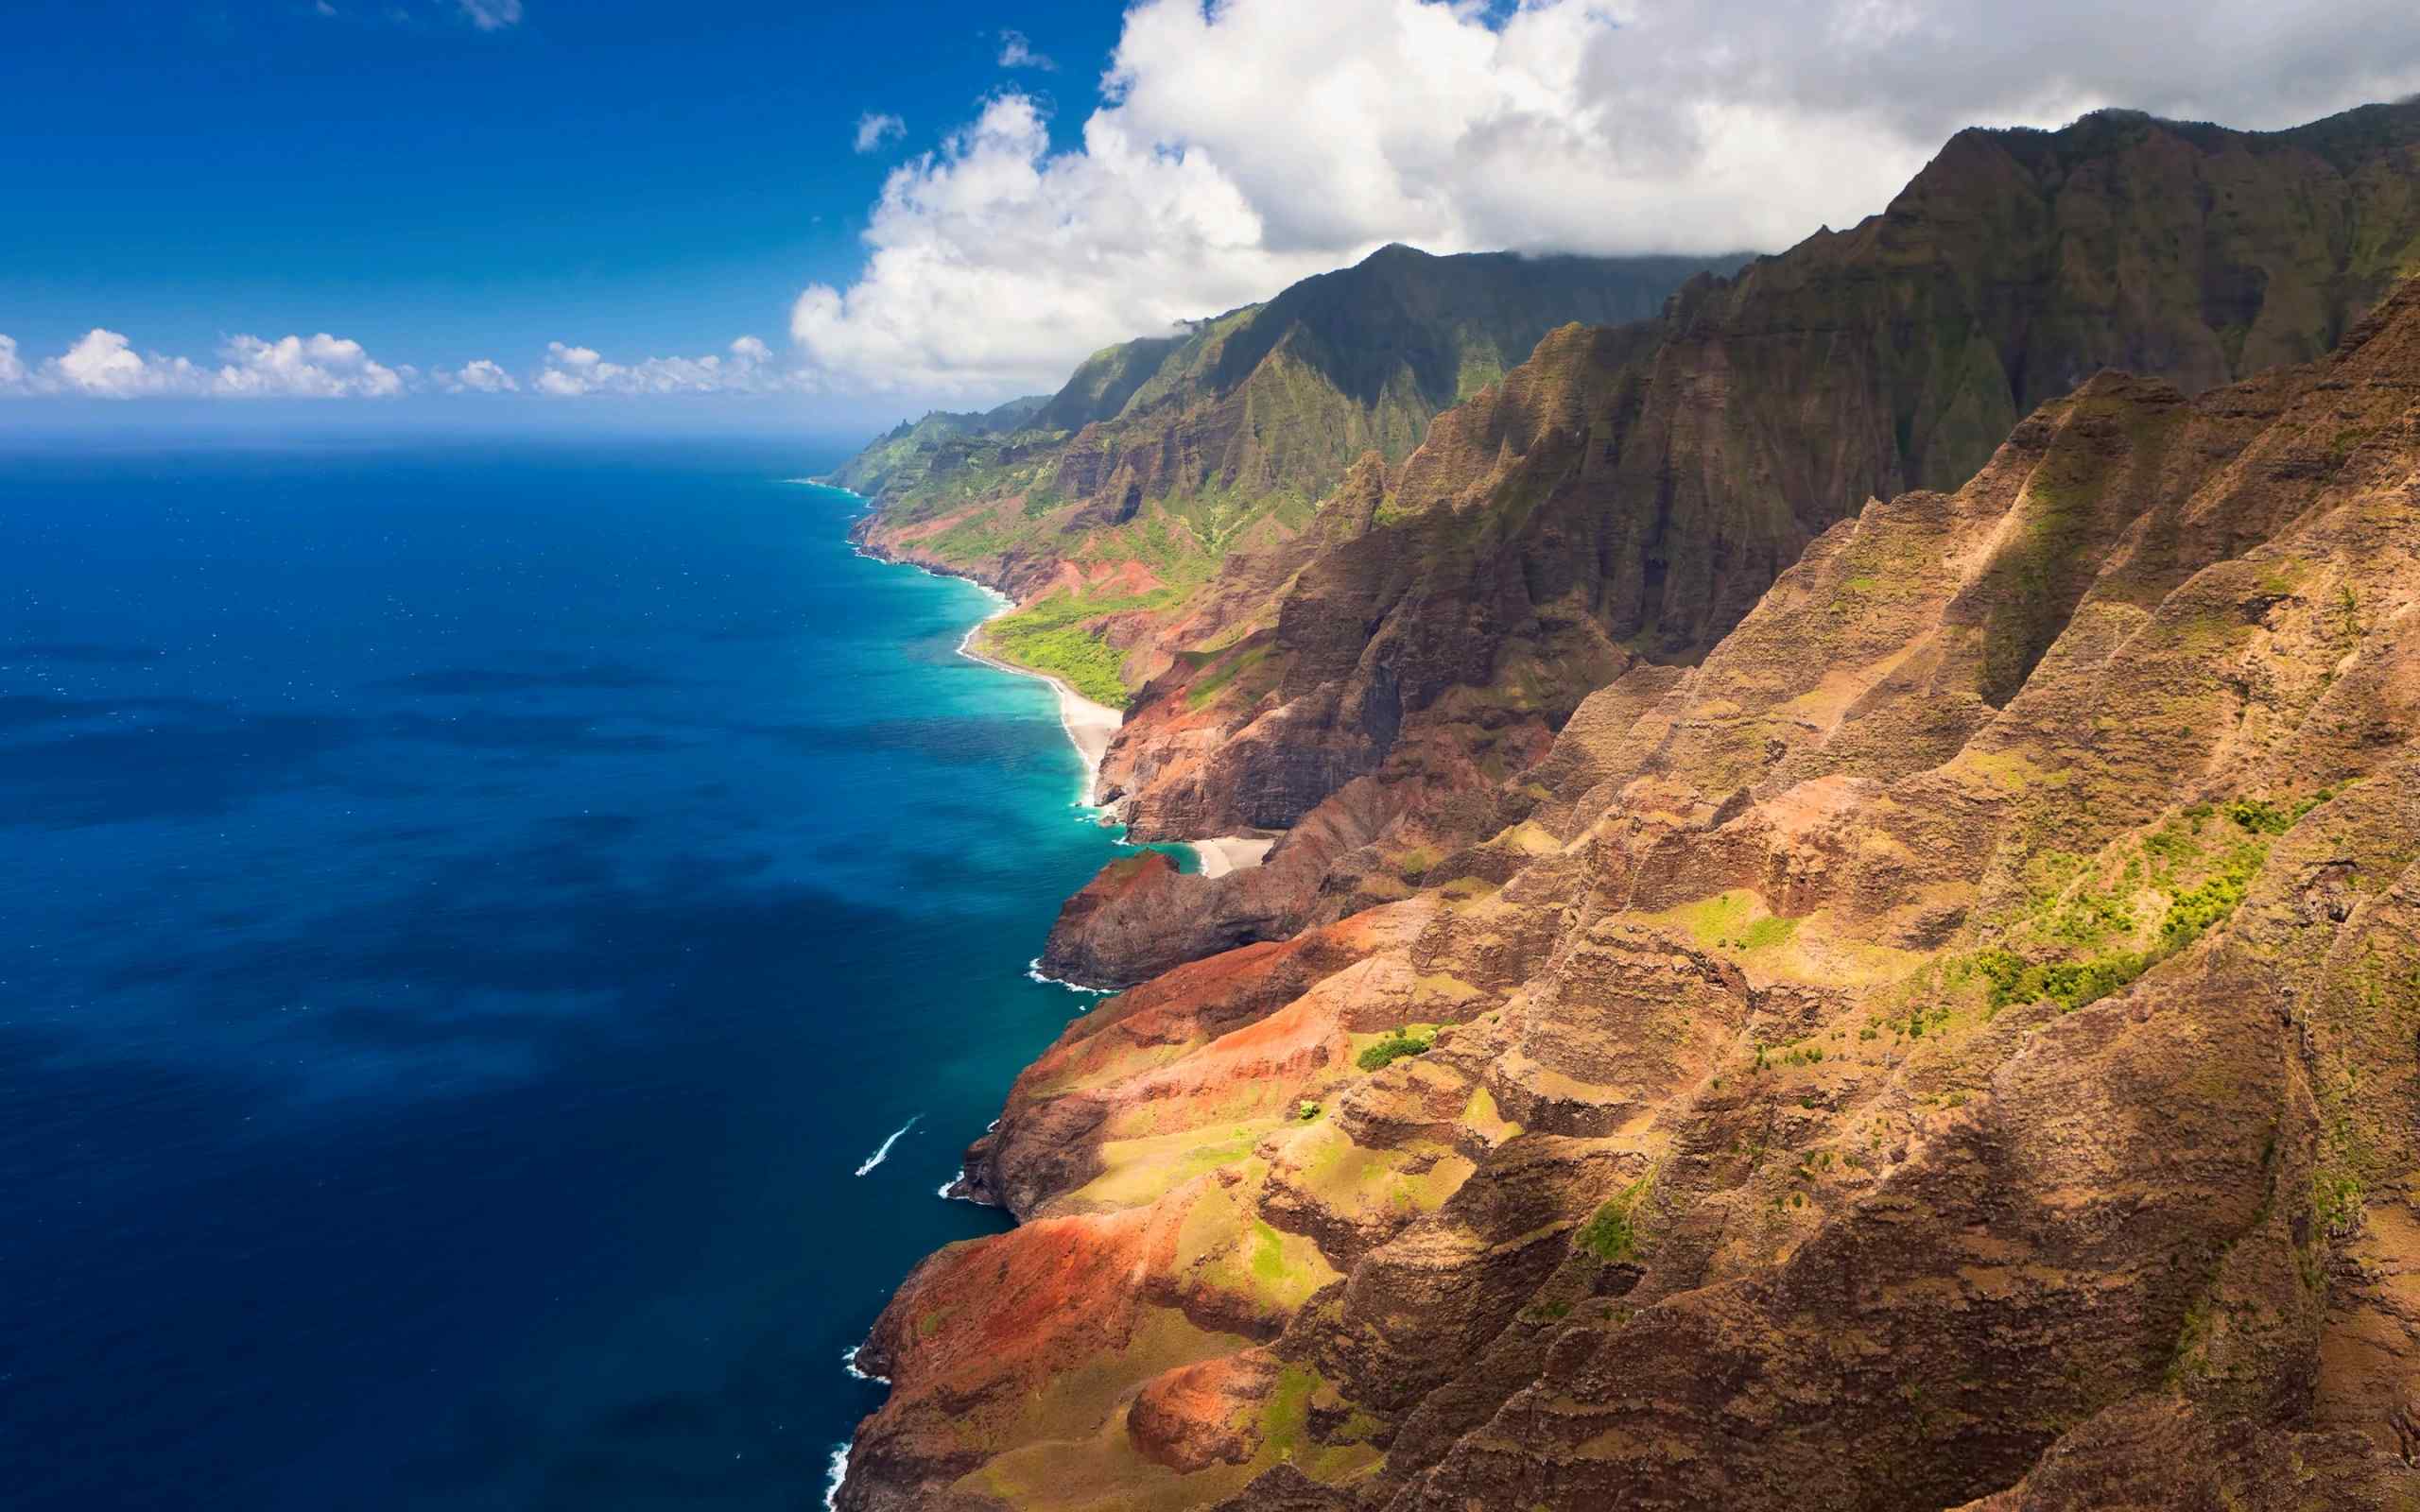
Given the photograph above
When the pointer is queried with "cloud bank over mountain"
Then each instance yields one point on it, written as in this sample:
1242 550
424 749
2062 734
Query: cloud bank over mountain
1241 146
1236 146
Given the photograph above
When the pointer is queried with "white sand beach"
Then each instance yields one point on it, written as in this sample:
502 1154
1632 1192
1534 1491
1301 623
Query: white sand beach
1089 725
1232 853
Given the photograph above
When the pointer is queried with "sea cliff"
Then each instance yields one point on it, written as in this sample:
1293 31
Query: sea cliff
1847 932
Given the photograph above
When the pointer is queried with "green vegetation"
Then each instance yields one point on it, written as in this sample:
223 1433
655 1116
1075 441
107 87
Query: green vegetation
2260 816
1268 1253
1610 1235
1059 634
1285 1418
1210 687
2064 909
1397 1044
2070 984
1415 863
1734 921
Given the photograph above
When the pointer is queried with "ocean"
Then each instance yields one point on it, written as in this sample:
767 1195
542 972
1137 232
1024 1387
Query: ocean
499 948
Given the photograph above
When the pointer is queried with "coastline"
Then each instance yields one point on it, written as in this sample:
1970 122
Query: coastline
1090 725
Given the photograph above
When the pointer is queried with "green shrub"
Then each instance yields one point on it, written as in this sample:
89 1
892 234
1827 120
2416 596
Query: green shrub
2194 910
2013 979
2261 817
1397 1044
2010 978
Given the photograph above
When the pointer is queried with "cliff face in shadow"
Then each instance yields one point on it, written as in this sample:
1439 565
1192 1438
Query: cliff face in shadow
1957 1045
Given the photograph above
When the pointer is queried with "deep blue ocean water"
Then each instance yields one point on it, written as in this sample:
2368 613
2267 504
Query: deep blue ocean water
466 916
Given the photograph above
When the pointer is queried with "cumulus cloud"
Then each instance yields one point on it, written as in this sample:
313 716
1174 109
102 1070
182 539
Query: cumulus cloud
1244 144
492 15
103 363
746 366
106 365
320 367
480 376
1016 51
874 130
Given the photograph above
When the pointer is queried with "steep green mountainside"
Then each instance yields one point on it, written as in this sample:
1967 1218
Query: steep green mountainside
1626 496
903 456
1186 446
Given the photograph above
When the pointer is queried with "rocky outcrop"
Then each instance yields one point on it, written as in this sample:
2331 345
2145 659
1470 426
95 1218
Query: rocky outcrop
1140 916
1957 1045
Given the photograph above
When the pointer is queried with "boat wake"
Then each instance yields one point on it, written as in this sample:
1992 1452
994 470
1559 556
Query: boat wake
884 1154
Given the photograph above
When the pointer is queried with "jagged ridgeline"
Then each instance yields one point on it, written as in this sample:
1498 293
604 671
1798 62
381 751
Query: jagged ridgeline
1168 451
1629 492
1268 404
1619 496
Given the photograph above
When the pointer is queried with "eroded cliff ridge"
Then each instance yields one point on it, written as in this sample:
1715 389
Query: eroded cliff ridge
1623 497
1955 1045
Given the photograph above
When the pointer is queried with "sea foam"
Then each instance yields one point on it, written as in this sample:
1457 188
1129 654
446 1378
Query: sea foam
1033 973
839 1474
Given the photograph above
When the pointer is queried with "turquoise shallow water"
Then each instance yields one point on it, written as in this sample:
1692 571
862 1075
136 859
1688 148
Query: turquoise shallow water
467 917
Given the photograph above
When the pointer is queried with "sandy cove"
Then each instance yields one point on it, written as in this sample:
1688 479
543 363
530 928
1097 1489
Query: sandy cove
1088 724
1091 726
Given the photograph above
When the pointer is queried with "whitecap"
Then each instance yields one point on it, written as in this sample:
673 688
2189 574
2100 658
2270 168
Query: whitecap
953 1190
883 1154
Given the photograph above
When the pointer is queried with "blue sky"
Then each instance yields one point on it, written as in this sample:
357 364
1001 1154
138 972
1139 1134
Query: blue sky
437 205
630 174
625 170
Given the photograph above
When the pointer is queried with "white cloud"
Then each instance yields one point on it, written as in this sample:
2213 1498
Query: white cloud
874 130
104 366
480 376
746 366
492 15
1016 51
103 363
320 367
1248 143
